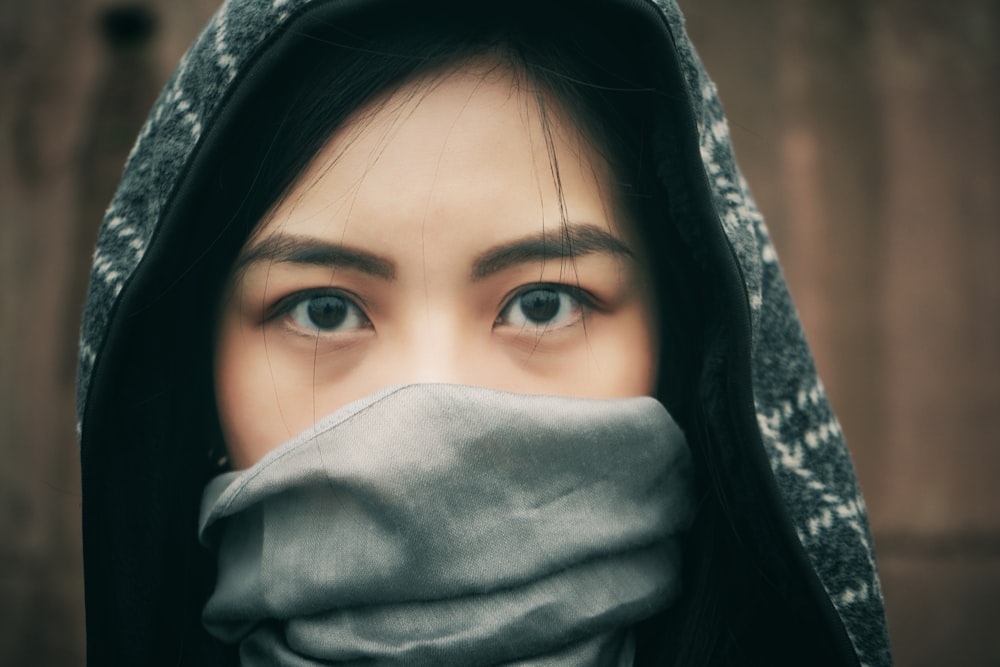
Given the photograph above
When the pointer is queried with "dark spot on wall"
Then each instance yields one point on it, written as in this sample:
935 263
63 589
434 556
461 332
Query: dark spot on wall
126 27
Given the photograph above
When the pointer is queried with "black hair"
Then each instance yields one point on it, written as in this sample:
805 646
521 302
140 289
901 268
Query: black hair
734 608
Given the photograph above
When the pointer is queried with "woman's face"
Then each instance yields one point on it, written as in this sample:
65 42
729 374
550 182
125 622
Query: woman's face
426 243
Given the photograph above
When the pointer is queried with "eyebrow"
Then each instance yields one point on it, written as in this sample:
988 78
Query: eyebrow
309 250
572 240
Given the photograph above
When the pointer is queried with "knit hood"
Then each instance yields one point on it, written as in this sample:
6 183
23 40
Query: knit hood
767 386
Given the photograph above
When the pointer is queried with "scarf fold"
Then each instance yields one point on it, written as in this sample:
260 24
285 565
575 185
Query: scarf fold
451 525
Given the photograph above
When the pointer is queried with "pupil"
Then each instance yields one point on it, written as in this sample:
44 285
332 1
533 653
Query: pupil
540 305
327 312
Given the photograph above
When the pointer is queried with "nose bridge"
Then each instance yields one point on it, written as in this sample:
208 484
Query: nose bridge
437 348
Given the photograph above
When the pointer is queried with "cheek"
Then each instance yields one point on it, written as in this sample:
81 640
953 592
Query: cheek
268 391
250 376
624 359
611 357
245 393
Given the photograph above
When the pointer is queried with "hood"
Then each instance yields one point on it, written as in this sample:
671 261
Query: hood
762 387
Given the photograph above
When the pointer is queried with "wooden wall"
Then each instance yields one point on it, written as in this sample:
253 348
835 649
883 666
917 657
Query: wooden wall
75 85
869 133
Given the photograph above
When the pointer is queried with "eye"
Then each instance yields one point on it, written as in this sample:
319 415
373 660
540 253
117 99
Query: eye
323 311
543 307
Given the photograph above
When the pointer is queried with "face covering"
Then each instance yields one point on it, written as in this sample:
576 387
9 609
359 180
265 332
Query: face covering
449 525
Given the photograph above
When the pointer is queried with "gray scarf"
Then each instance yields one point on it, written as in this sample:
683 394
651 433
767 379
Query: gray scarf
451 525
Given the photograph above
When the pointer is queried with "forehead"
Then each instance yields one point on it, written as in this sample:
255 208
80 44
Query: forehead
472 153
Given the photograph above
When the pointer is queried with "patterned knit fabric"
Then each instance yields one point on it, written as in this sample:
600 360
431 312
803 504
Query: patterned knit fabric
801 435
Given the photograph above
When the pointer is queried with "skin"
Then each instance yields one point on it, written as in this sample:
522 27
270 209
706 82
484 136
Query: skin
425 244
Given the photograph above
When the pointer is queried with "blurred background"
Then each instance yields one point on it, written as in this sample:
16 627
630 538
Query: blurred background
869 132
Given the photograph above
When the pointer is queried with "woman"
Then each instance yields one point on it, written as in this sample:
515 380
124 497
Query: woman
382 278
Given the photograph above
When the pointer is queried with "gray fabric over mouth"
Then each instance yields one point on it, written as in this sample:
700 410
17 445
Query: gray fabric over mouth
453 525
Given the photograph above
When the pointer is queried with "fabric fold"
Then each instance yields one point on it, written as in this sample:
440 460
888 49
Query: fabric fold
452 525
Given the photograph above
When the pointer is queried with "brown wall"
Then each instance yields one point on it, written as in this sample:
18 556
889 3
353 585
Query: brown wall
869 133
70 107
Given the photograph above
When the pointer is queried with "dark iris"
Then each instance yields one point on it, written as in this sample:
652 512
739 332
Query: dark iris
540 305
327 312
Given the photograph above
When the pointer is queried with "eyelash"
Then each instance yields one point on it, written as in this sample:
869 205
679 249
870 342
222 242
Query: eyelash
288 306
582 302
